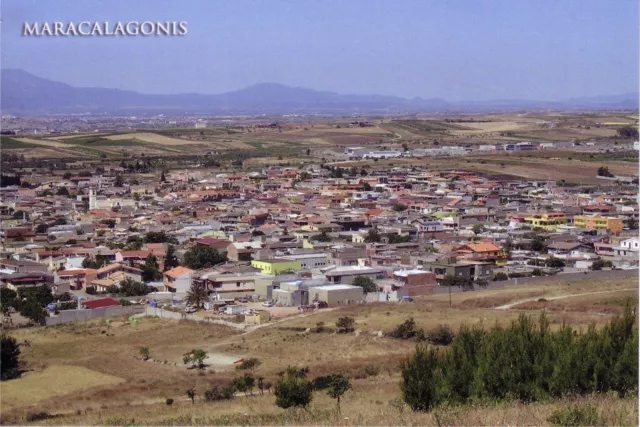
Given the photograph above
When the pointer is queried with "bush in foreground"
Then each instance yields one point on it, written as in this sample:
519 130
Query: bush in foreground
586 415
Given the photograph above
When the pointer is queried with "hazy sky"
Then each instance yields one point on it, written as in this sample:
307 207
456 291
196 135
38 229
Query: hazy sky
456 50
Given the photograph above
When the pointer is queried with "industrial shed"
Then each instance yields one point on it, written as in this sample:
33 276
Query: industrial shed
336 294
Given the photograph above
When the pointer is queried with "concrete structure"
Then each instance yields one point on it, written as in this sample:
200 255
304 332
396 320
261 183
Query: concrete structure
309 260
257 317
236 285
347 275
468 269
336 294
276 266
599 222
548 221
178 279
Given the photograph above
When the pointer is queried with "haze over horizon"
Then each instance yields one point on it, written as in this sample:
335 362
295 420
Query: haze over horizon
456 50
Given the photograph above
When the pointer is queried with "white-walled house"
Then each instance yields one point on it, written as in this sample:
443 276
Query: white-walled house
178 280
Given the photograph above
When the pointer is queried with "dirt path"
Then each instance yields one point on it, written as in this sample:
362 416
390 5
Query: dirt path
513 304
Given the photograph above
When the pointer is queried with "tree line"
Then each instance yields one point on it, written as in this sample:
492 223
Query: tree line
526 361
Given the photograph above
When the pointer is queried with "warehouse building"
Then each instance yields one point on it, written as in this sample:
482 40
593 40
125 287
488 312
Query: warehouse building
336 294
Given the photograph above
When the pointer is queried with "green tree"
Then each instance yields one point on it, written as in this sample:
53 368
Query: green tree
538 244
293 389
10 357
478 228
34 312
159 237
244 383
365 283
338 386
628 132
631 223
322 237
201 256
373 236
171 260
251 363
196 358
118 182
132 288
7 298
150 269
421 379
197 294
399 207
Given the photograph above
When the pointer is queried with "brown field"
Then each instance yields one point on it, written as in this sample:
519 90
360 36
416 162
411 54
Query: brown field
105 383
77 135
46 153
536 165
52 382
153 138
44 142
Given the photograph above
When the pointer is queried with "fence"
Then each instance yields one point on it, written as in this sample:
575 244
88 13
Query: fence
166 314
69 316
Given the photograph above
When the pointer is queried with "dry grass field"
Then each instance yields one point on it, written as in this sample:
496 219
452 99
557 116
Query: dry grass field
102 381
153 138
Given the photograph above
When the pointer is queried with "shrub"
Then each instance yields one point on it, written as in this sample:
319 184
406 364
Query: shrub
420 379
169 402
38 416
406 330
500 276
251 363
371 370
321 383
293 389
441 335
345 324
10 360
586 415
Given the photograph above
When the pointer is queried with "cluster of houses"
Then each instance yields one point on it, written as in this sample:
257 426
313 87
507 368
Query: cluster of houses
301 237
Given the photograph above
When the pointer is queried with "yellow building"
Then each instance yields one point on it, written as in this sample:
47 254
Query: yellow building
276 266
547 221
614 225
258 317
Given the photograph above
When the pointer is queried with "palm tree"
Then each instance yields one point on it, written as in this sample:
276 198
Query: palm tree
197 294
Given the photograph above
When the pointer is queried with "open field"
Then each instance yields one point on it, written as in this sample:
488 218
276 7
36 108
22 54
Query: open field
282 139
547 164
53 381
149 137
116 386
44 142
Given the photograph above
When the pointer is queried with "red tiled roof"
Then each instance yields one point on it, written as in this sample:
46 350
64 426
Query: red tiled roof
99 303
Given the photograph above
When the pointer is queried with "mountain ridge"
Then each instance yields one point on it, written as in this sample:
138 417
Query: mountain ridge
26 94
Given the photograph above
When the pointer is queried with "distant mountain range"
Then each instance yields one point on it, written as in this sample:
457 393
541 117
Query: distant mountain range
25 94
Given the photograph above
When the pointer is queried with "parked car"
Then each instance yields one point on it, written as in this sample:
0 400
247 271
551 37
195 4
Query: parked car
244 299
189 309
269 304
